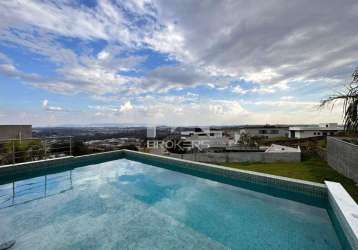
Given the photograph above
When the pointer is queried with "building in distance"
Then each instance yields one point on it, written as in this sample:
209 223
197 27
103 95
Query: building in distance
322 129
262 131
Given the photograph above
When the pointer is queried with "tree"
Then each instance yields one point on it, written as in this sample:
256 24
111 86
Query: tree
20 151
79 148
350 104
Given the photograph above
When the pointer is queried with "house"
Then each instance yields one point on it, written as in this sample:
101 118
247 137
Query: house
201 133
322 129
264 131
204 138
15 132
151 132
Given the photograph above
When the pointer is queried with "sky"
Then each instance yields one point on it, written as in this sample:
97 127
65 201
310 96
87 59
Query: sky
174 62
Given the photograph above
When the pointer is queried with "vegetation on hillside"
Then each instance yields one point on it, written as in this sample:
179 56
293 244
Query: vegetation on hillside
24 151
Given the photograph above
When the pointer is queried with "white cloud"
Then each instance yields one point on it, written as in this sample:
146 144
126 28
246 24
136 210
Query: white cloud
178 111
243 42
166 78
263 90
45 105
253 42
169 40
106 21
8 69
287 98
192 94
211 43
56 87
103 55
263 76
238 90
103 108
126 107
270 88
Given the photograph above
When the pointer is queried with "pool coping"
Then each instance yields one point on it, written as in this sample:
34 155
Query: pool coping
316 184
289 184
343 206
31 165
345 209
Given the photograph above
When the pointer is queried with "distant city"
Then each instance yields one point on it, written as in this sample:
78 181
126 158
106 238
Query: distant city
59 141
113 131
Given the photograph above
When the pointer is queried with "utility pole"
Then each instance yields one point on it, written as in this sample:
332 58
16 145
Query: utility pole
70 145
45 149
13 152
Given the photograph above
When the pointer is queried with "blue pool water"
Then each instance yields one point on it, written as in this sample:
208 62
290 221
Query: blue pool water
124 204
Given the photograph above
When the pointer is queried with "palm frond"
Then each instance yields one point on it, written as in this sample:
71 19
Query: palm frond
350 104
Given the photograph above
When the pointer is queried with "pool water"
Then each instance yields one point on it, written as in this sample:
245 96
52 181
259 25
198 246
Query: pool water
124 204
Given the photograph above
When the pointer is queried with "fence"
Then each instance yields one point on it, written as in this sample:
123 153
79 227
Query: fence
32 149
343 157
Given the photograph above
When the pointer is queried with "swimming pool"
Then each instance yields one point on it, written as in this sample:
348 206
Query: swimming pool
139 203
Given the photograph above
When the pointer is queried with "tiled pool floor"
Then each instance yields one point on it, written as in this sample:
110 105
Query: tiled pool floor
124 204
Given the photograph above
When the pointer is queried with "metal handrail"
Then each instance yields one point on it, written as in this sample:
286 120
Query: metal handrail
22 193
36 138
10 154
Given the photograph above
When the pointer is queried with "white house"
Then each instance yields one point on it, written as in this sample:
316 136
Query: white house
202 133
151 132
323 129
265 131
205 138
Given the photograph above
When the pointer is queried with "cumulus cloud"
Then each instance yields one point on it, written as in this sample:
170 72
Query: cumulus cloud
269 41
185 110
47 107
106 50
126 107
238 90
181 111
103 55
174 110
170 77
41 32
8 69
248 41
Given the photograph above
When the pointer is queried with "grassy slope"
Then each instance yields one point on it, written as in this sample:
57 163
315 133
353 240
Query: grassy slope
311 169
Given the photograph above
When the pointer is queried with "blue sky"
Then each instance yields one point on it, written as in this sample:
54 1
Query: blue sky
174 62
